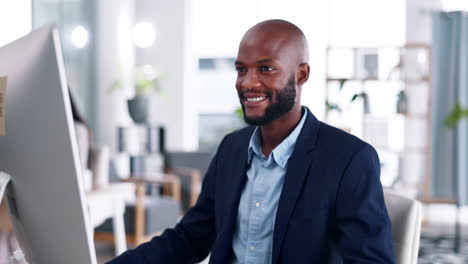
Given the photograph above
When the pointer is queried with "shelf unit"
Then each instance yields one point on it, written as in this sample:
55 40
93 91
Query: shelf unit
139 148
375 76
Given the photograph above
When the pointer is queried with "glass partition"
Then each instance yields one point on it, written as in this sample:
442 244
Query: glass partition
75 20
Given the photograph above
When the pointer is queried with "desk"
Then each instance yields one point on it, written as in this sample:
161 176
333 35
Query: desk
110 202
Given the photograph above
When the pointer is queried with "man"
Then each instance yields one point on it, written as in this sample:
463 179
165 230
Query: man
289 189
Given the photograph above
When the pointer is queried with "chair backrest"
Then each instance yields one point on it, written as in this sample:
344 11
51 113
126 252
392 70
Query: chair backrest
188 160
195 159
406 217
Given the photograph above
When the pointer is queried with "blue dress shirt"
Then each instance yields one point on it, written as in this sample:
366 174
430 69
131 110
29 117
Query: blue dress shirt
253 235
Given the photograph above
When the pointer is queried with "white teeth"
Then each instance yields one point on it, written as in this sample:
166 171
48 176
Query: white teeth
255 99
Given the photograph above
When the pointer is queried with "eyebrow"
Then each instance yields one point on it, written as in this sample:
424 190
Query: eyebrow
259 61
265 61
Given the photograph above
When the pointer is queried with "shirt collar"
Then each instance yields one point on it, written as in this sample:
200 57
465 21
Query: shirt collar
283 151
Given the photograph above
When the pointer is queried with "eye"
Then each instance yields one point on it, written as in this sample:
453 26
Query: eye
240 69
265 68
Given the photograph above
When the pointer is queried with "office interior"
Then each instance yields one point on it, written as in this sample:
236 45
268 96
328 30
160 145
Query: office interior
153 81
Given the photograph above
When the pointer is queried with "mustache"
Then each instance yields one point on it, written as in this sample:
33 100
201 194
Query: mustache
242 93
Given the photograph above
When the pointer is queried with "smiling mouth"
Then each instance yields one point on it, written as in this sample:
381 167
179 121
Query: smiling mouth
255 99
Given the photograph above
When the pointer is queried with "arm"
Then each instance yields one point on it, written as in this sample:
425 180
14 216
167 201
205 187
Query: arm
190 240
364 232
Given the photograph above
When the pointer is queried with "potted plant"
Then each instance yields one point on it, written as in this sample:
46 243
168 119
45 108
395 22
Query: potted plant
331 106
146 82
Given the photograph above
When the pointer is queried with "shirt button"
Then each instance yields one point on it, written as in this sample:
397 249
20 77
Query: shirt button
257 204
252 248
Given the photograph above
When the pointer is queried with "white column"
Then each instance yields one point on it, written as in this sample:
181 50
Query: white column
171 53
114 60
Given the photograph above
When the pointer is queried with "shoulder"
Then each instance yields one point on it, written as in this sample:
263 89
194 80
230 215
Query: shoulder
239 136
338 143
236 142
327 141
330 136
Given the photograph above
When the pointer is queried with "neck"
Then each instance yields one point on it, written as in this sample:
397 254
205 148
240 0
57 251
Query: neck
275 132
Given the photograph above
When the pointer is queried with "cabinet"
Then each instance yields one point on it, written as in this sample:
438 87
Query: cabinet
139 149
383 95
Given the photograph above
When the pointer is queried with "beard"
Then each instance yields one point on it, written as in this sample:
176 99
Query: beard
285 101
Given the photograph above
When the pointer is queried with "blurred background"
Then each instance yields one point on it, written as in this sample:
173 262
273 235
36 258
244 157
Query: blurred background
153 83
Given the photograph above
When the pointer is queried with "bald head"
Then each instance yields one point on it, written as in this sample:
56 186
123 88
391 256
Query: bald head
272 65
281 34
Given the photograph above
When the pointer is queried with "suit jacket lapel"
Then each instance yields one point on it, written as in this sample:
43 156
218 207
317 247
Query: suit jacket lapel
235 182
237 185
298 166
224 250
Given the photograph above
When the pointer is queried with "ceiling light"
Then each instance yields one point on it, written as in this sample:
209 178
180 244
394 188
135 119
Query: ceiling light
143 34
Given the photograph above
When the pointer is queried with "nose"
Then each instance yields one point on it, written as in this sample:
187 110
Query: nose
250 80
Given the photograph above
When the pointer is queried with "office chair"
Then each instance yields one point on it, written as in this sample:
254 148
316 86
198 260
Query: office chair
406 217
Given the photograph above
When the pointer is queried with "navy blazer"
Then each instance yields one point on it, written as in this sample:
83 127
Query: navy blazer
331 208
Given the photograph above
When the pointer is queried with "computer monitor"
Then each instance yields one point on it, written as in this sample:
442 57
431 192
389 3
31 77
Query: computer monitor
39 151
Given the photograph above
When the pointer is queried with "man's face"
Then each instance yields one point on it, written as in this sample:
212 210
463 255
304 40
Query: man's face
265 80
285 99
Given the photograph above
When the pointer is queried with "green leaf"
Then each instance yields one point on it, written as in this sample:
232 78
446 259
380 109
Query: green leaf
116 85
341 83
455 116
332 106
147 80
356 96
240 113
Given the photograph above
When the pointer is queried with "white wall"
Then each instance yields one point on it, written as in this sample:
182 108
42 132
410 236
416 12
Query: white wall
15 20
454 5
367 22
419 21
114 61
171 54
218 26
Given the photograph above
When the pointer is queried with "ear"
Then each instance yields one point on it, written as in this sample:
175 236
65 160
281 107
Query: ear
303 74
